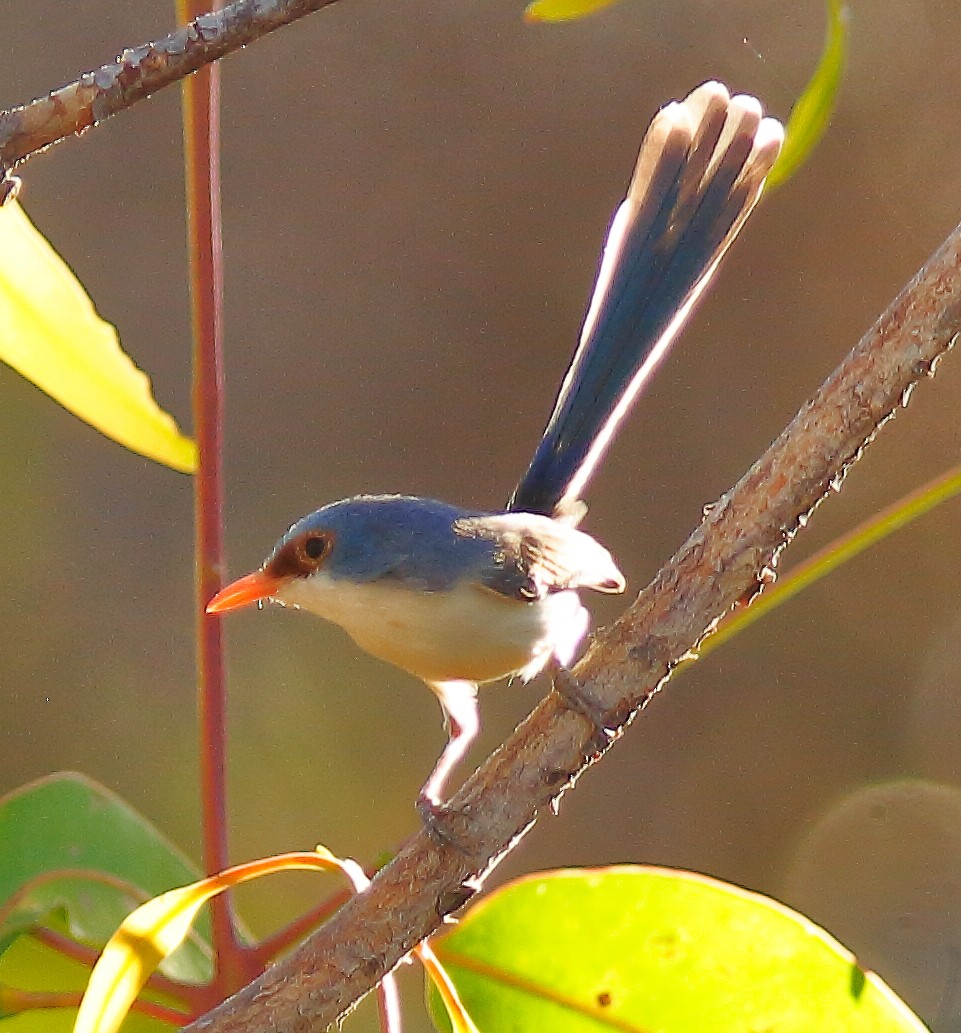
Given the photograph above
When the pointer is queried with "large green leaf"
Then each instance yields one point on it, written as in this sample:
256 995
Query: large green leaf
57 836
52 335
650 949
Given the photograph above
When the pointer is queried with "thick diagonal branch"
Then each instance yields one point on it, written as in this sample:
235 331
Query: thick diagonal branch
727 559
140 71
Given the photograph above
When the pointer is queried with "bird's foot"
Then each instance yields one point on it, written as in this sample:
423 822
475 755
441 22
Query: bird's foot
444 824
577 698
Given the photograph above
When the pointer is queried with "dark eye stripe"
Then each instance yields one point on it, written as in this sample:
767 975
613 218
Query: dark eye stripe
301 556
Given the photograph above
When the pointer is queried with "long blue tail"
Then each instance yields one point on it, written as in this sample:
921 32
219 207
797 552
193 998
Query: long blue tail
700 171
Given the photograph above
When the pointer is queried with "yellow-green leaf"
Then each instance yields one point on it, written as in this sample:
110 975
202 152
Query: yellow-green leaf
563 10
69 846
633 948
813 109
873 530
50 333
157 928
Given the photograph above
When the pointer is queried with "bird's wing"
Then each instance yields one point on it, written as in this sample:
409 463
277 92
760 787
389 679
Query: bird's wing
532 556
700 171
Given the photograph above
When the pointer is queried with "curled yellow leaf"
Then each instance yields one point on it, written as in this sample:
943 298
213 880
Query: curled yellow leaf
156 929
51 333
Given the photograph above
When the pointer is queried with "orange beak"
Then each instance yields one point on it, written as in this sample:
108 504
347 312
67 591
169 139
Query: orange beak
243 591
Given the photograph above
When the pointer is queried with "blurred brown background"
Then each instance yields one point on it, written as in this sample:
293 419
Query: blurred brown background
415 197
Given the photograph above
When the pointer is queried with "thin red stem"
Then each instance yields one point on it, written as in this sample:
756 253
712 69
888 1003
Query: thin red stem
201 106
161 1012
268 949
15 1001
388 1006
65 945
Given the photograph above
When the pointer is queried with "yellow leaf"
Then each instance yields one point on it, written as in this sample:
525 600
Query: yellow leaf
156 929
460 1020
52 335
562 10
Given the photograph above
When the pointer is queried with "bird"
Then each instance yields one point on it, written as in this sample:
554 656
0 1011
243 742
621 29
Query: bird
458 597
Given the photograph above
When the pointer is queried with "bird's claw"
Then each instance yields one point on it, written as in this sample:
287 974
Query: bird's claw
444 824
578 699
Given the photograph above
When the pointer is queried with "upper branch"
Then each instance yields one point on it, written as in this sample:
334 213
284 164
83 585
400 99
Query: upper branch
138 72
728 558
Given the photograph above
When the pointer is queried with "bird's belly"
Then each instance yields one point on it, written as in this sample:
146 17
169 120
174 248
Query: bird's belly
467 633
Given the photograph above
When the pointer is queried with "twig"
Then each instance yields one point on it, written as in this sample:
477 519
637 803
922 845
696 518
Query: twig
137 73
728 558
201 117
14 1002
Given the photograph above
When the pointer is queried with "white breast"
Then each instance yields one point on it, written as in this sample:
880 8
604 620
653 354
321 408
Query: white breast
468 633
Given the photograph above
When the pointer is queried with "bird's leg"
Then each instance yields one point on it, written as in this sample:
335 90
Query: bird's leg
577 698
459 702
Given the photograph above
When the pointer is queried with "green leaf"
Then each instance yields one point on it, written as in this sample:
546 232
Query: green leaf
28 964
813 109
54 830
637 948
563 10
52 335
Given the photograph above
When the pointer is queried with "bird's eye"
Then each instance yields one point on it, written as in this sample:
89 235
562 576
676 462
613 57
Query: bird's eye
316 546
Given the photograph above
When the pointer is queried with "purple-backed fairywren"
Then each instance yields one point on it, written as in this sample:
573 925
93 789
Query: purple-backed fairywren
458 597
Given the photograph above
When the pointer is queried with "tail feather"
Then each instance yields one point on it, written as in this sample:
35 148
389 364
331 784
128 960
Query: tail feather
700 171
